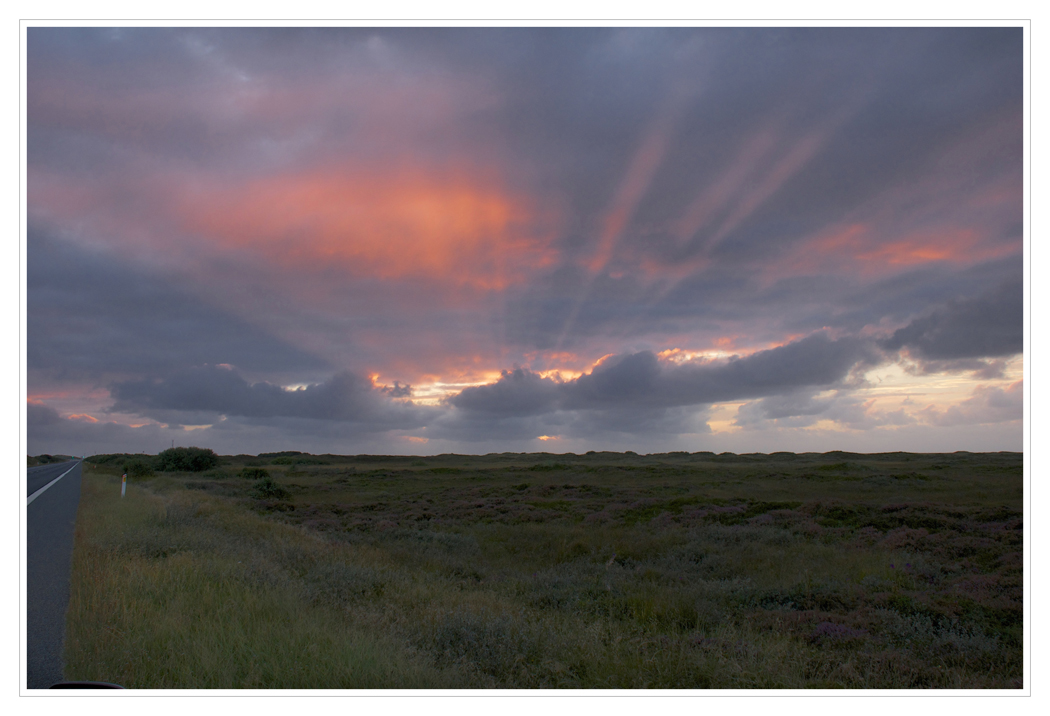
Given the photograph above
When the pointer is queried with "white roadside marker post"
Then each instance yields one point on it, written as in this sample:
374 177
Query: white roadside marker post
123 484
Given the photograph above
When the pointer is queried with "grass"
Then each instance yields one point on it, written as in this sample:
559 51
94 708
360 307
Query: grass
541 571
183 591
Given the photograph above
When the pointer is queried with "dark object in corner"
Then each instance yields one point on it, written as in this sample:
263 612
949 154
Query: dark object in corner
85 685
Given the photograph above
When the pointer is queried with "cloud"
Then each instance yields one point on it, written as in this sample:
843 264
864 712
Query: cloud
472 428
437 204
639 394
214 391
642 381
607 426
416 222
988 404
397 390
627 422
49 432
804 409
96 315
517 392
990 325
978 368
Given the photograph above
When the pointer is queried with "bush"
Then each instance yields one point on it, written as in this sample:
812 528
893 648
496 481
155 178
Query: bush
138 468
254 473
189 459
267 489
109 459
47 459
292 460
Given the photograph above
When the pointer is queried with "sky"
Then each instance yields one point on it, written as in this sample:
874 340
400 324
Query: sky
435 240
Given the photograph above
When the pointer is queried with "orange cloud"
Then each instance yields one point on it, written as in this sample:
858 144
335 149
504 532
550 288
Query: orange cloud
950 245
91 394
457 229
860 247
84 418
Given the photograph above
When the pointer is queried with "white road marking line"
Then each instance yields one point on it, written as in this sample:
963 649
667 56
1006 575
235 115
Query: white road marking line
38 492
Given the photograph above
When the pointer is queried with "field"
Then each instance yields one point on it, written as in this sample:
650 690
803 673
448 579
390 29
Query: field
605 570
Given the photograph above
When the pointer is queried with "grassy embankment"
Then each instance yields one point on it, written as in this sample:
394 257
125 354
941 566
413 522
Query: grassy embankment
540 571
45 459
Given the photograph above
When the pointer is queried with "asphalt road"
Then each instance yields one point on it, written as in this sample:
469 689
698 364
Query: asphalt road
49 536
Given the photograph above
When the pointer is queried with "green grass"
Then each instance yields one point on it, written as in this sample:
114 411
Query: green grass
541 571
184 591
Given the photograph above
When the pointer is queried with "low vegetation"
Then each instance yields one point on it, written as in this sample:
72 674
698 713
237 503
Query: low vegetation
32 461
553 571
175 459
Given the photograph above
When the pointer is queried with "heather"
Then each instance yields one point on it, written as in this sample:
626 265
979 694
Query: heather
605 570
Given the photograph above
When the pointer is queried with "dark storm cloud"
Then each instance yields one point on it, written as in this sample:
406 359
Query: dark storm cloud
95 314
642 381
517 392
610 424
990 325
985 369
475 427
222 391
847 305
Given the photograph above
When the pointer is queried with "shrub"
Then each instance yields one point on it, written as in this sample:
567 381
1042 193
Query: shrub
267 489
254 473
47 459
188 459
103 459
293 460
138 468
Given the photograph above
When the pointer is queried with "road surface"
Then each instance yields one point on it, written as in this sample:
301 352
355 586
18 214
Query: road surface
50 515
